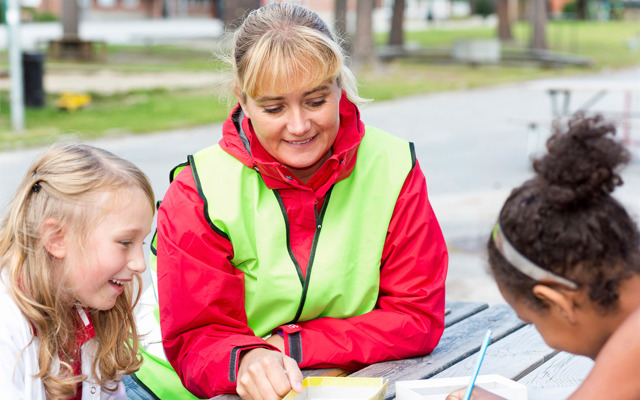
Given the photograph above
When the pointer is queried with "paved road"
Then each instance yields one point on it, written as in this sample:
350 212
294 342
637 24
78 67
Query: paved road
471 144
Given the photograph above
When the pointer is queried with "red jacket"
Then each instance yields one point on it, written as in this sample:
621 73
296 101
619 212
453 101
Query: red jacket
203 321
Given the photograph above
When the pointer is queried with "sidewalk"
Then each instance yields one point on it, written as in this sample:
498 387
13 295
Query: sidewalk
109 82
471 146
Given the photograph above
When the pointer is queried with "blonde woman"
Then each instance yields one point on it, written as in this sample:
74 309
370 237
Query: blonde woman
70 253
303 239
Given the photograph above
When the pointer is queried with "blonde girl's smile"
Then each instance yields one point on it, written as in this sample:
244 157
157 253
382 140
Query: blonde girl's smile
118 284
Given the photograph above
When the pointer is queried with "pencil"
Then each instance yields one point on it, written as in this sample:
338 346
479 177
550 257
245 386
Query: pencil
474 375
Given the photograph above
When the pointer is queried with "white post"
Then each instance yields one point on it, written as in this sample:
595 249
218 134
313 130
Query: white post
15 65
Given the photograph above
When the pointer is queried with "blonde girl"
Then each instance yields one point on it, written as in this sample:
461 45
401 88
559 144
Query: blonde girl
70 249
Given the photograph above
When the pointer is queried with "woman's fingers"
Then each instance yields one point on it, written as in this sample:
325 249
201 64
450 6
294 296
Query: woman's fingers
294 374
250 383
278 380
267 375
250 375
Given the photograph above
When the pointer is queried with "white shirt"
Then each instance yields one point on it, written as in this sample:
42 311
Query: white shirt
18 367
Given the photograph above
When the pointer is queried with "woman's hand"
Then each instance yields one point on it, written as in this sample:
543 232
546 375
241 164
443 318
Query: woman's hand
265 374
477 394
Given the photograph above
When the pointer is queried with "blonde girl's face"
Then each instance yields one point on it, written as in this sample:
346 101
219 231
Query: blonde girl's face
98 268
297 128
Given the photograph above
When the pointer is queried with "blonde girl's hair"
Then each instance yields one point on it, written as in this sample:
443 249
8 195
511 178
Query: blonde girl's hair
63 184
285 44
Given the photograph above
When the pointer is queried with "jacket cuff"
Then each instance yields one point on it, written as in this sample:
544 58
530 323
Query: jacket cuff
291 334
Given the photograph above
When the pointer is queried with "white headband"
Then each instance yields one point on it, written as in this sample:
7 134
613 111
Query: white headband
522 264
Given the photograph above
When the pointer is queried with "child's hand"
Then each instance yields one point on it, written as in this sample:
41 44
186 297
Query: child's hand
477 394
265 374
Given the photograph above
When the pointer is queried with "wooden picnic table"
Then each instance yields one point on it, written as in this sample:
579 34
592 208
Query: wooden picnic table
564 88
517 352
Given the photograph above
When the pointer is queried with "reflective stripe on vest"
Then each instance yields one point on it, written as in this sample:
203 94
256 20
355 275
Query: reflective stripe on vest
156 373
348 241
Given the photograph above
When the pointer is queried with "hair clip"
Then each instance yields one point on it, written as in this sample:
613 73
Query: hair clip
36 187
523 264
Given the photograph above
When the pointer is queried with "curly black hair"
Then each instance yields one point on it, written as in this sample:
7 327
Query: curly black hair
565 219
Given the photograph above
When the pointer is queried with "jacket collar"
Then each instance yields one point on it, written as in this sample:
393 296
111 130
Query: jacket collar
239 140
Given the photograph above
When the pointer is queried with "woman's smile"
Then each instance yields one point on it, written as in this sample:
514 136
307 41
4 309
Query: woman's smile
300 142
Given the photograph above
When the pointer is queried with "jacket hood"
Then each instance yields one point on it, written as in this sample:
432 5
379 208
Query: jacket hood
239 140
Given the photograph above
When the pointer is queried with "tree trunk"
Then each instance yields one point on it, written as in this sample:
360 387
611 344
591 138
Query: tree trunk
539 21
504 21
70 19
396 36
235 10
364 46
340 17
214 8
340 25
473 6
581 9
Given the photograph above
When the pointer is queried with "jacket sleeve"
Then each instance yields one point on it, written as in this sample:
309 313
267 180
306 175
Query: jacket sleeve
20 356
202 316
408 319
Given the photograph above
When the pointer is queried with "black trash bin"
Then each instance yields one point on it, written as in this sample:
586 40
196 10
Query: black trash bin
33 72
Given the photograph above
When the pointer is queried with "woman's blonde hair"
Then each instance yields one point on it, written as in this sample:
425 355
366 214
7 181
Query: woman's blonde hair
287 44
62 184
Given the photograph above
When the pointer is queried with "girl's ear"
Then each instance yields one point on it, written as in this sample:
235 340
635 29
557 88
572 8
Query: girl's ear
557 300
54 235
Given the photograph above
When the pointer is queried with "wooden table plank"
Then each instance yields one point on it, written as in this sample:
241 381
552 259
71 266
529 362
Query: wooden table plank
512 357
457 343
460 310
517 352
564 371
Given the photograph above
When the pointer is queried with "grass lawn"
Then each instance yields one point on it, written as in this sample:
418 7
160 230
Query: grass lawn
153 110
133 112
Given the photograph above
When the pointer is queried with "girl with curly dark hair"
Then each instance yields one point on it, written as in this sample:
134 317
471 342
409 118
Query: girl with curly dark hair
566 256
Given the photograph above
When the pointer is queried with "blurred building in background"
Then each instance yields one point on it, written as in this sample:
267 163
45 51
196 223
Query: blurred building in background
414 9
130 9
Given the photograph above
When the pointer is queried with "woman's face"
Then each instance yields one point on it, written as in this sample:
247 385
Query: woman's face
297 128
